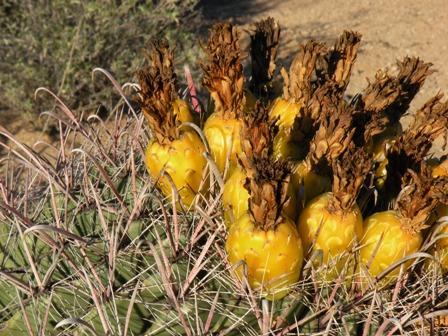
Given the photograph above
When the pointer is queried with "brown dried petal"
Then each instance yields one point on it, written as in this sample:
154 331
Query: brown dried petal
386 99
420 195
158 90
342 58
349 173
258 133
263 51
298 85
223 73
334 133
268 191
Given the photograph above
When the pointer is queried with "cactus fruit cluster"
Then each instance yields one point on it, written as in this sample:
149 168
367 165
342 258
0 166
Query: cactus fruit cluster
291 209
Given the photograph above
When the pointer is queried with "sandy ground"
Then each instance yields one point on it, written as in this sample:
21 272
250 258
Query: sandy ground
391 29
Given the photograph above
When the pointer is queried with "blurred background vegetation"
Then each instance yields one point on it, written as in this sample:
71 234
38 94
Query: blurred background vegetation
57 43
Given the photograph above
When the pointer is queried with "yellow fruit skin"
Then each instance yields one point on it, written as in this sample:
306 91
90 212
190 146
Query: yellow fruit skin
442 244
378 148
285 148
182 111
381 173
235 198
273 258
442 211
312 183
395 243
285 111
441 169
337 232
223 136
284 145
182 160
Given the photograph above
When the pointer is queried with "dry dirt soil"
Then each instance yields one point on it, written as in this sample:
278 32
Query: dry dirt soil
391 29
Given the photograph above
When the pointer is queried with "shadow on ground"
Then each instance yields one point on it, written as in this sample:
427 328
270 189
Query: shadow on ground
233 10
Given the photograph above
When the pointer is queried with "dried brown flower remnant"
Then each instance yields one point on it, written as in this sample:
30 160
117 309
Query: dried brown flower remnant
258 133
158 91
342 58
349 173
223 73
369 117
334 133
387 98
268 192
411 76
419 197
412 147
263 51
298 85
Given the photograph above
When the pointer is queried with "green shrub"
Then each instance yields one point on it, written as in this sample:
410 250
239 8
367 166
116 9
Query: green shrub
56 44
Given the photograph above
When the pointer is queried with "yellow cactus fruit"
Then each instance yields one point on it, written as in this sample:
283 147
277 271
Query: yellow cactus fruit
394 234
182 160
440 169
223 136
311 183
172 151
264 244
273 257
331 223
286 148
285 112
235 197
256 141
296 92
337 231
223 76
386 241
182 111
